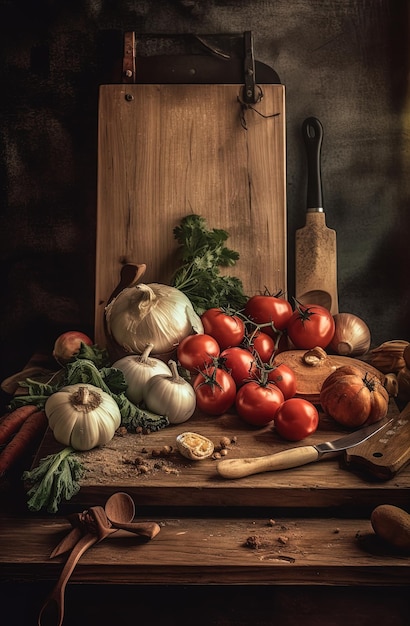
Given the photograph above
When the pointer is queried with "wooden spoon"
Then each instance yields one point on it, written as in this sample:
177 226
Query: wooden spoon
120 511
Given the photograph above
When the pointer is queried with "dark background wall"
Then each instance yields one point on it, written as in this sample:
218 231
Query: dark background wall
344 61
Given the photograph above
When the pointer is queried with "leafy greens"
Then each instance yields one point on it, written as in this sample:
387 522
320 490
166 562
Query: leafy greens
203 252
88 367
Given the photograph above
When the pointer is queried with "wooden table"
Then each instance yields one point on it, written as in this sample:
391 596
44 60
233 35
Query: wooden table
297 530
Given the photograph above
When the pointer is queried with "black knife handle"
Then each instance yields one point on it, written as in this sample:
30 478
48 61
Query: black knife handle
312 132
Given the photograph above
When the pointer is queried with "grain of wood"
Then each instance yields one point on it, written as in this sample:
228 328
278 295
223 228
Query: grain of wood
326 483
170 150
197 551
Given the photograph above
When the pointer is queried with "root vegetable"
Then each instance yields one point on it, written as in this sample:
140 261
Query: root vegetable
32 429
13 421
392 524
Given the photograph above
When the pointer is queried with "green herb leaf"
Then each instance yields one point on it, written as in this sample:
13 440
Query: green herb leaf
99 356
203 252
108 379
56 478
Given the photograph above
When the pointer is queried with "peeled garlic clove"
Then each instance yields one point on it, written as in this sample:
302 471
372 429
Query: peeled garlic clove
194 446
316 356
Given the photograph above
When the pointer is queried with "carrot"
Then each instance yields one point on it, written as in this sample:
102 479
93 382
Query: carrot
12 421
34 427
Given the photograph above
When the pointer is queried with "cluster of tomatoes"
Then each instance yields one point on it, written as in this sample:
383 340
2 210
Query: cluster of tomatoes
232 362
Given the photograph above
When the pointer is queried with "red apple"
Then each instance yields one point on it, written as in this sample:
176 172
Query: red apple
68 345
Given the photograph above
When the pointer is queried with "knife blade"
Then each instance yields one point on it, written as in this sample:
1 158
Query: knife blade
294 457
387 454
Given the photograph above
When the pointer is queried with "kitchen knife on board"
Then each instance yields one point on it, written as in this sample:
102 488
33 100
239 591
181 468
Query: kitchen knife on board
385 454
295 457
315 243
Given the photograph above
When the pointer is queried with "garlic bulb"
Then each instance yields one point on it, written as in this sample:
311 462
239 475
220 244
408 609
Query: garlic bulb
352 335
82 416
138 369
154 313
171 396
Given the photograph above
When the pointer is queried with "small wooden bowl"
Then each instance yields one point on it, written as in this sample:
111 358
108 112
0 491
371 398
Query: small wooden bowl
309 378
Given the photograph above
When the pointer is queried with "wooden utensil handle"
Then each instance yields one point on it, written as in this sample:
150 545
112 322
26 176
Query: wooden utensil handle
238 468
53 607
388 452
145 529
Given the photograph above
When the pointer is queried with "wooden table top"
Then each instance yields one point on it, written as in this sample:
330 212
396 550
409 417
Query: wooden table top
307 526
203 550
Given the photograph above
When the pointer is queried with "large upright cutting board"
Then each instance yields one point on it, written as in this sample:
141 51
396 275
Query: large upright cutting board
166 151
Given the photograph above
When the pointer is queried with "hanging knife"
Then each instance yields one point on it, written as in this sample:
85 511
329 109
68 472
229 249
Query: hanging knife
294 457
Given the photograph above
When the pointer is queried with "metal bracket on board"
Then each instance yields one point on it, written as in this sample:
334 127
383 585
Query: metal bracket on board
249 93
196 59
128 63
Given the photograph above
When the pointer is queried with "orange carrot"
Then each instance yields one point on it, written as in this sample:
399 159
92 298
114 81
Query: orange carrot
14 420
34 427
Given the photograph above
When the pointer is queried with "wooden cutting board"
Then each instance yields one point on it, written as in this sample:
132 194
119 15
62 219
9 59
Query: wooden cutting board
166 151
310 378
175 481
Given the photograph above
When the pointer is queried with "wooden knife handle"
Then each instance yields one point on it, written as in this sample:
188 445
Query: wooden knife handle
238 468
387 452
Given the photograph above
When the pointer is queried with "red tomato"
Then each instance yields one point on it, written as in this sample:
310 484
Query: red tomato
296 419
195 352
285 378
240 363
228 330
310 326
267 309
263 344
215 391
258 403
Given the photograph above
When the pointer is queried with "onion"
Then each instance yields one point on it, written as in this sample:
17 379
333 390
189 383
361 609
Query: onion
352 335
172 396
154 313
138 369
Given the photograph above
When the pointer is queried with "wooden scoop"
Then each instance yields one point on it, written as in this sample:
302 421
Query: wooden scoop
316 254
120 511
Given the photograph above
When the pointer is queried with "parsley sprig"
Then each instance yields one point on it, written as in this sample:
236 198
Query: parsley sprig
202 253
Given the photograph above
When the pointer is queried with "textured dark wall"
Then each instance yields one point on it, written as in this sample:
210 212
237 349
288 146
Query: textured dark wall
344 61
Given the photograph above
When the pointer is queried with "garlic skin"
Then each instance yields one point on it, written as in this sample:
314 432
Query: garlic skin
389 357
153 313
138 369
82 416
352 335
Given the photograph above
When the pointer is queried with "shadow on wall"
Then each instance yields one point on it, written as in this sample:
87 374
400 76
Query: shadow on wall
54 57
